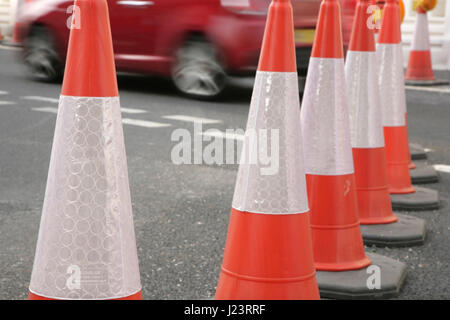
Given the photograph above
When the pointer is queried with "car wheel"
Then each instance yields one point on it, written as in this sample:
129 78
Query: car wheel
41 59
197 71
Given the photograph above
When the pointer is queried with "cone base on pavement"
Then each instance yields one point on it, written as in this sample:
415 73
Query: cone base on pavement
259 261
336 237
136 296
354 284
398 159
436 82
423 173
417 151
407 231
422 200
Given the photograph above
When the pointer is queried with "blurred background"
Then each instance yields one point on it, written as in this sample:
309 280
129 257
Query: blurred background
198 44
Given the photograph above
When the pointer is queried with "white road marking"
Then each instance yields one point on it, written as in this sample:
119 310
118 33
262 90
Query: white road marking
224 135
428 150
2 103
10 48
191 119
132 111
46 109
124 110
4 92
146 124
429 89
37 98
442 168
133 122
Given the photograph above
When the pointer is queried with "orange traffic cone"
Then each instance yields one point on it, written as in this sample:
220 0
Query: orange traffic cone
419 65
337 243
330 179
268 253
86 246
393 102
392 93
379 224
366 124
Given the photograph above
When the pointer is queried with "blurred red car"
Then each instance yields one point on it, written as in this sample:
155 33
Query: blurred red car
197 43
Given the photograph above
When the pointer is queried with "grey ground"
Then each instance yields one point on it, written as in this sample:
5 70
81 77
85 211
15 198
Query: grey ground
181 212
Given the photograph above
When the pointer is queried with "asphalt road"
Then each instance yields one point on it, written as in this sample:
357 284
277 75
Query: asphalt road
180 211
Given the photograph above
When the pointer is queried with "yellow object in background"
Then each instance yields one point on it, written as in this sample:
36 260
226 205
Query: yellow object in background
425 5
402 10
379 13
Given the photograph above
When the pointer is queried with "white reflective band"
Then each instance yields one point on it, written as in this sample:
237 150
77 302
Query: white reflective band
361 73
391 82
325 119
421 40
278 187
86 246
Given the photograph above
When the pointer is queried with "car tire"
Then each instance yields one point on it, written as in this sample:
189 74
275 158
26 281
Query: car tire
197 72
40 56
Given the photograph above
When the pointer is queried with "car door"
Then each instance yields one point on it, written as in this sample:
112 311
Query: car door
132 30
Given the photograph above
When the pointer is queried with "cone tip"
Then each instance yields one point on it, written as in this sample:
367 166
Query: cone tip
90 66
278 47
328 38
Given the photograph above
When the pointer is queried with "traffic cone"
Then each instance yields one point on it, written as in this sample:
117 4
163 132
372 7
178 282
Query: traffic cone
374 203
393 102
366 124
337 242
268 253
86 246
420 70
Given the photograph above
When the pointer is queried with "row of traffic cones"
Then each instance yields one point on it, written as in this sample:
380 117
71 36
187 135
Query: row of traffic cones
291 234
356 155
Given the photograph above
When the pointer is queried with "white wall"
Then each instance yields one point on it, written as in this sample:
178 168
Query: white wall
7 16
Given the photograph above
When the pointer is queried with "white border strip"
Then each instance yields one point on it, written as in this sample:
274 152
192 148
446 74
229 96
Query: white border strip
442 168
416 88
181 117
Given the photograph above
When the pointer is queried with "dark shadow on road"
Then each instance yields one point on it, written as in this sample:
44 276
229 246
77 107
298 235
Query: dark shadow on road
234 93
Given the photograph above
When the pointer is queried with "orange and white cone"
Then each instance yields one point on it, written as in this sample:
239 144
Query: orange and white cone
337 240
379 225
366 124
268 253
393 100
339 256
419 64
86 247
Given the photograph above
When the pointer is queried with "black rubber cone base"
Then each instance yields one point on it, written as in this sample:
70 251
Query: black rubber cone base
422 200
437 82
417 151
361 284
423 174
407 231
